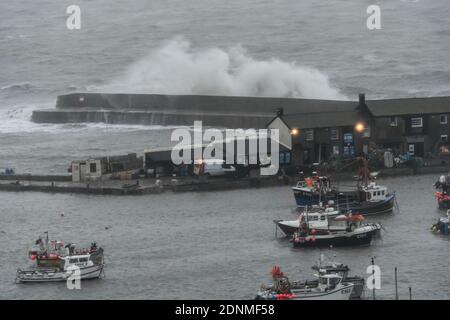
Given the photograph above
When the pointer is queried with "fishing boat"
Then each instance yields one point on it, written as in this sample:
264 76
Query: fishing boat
343 230
327 287
366 197
443 225
53 261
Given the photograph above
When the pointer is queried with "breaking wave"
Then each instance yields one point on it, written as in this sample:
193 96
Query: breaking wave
177 68
24 86
17 120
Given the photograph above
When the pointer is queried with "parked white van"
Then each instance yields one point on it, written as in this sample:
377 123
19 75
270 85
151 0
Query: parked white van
213 167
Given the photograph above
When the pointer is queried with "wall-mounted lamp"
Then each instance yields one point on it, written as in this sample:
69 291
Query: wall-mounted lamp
359 127
295 132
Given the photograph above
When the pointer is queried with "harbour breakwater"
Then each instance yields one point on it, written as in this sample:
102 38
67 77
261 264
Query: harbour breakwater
157 109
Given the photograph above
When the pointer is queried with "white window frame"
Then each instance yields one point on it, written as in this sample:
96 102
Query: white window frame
309 134
334 134
444 138
411 149
445 117
417 125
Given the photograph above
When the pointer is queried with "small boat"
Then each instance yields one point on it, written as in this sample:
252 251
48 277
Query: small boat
367 198
54 261
443 225
343 230
327 287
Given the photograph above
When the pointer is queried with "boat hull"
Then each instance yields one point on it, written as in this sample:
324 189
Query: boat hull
49 275
342 293
347 203
368 208
338 240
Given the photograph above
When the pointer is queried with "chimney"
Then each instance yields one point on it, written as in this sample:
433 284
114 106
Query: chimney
280 112
362 99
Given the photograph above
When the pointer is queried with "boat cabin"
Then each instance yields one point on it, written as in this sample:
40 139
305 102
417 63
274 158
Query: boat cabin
375 193
81 261
328 281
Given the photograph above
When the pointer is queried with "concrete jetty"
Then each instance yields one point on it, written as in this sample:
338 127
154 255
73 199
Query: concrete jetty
158 109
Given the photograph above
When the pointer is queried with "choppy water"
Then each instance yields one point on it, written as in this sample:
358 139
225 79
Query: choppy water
214 245
208 245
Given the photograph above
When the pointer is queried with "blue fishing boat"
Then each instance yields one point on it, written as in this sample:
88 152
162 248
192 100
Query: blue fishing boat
367 198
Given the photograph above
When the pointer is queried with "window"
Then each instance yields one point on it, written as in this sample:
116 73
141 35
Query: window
444 138
348 137
443 118
334 134
366 132
93 167
285 157
394 122
309 135
288 158
416 123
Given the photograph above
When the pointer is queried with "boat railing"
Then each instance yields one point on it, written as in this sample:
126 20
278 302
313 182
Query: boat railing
37 271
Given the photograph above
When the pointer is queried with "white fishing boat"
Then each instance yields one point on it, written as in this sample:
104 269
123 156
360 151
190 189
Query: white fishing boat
328 287
54 261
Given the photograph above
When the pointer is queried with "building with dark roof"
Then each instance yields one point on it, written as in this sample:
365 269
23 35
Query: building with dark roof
417 126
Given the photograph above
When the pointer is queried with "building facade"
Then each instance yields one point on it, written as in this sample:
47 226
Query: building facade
416 126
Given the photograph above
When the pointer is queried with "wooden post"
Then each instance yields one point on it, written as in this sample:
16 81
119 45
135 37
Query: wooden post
396 286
